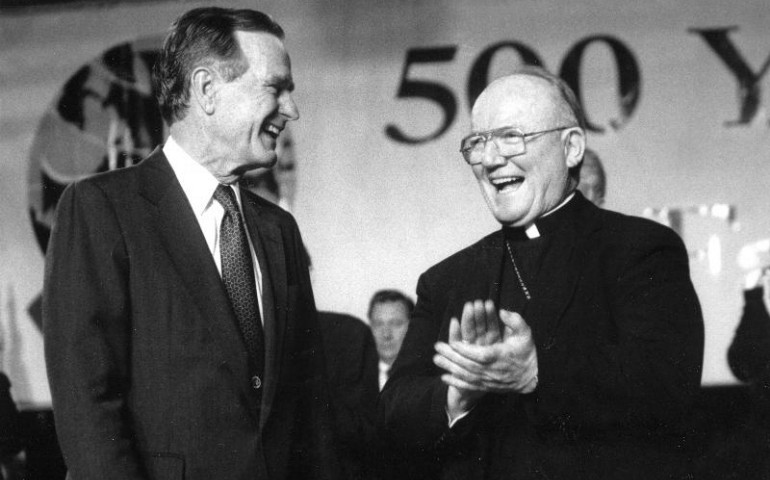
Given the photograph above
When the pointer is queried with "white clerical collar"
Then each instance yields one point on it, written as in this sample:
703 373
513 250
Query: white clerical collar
532 230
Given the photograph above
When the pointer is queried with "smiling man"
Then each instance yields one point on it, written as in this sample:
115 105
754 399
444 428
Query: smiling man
180 327
566 345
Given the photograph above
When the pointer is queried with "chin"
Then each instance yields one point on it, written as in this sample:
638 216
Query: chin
508 216
509 221
265 159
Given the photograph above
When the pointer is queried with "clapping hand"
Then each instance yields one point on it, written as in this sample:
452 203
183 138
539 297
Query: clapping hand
482 355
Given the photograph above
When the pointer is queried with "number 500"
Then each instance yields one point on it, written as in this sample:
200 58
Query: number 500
629 81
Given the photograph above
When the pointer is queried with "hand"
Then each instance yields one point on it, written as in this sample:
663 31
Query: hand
479 326
508 364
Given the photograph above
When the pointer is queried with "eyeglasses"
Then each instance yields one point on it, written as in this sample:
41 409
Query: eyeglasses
509 141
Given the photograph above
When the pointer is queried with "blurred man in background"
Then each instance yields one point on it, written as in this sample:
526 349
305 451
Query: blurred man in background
389 313
749 359
593 181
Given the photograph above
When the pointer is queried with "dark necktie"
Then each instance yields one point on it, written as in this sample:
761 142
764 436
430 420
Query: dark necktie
238 277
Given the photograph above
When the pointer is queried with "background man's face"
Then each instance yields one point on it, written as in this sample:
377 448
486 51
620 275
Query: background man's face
252 110
389 322
522 188
589 185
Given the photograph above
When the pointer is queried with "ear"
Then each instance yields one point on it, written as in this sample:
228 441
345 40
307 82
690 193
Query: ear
203 89
574 147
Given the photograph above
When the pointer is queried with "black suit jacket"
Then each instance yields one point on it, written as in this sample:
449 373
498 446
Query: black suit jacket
148 371
10 441
619 337
351 360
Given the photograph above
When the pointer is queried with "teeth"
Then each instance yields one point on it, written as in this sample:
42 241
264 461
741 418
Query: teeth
273 129
504 180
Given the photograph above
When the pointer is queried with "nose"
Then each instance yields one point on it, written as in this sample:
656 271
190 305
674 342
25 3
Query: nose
287 107
492 157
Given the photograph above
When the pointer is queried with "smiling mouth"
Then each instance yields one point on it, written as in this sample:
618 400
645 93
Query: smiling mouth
272 130
503 184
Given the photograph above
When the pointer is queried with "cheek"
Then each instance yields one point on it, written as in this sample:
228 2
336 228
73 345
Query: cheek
265 104
401 332
478 171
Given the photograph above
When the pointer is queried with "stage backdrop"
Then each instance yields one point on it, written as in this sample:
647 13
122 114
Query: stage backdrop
676 94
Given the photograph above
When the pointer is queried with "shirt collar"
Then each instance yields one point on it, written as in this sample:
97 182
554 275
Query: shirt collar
539 226
197 182
384 367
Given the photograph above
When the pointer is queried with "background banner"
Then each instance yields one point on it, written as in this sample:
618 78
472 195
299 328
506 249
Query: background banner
676 95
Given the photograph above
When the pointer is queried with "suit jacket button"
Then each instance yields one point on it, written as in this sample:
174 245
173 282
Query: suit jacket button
256 382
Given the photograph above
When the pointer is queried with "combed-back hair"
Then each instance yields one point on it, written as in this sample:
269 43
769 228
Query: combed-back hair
203 36
384 296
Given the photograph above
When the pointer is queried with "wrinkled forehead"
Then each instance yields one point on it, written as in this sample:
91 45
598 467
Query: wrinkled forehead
267 57
522 101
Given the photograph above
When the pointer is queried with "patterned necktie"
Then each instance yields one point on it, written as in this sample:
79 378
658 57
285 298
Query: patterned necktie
238 277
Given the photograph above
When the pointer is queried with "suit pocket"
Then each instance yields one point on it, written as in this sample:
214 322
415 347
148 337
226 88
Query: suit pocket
164 466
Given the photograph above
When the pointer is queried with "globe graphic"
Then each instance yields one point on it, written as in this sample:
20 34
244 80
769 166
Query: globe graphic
104 117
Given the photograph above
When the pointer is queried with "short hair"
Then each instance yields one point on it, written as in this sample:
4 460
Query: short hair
384 296
203 36
591 160
565 92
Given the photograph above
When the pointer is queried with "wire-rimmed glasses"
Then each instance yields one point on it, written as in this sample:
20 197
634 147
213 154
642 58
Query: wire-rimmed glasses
509 141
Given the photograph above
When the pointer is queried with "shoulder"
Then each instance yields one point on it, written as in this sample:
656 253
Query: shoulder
633 231
122 181
342 324
467 258
268 209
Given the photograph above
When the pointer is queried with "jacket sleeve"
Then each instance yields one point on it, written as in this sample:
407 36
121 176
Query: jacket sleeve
87 331
316 445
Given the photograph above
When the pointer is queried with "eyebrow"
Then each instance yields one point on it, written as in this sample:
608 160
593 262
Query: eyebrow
284 82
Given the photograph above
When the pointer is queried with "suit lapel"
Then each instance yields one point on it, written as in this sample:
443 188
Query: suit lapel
184 243
559 275
266 235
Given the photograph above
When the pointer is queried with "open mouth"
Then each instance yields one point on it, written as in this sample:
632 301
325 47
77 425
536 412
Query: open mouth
506 183
272 130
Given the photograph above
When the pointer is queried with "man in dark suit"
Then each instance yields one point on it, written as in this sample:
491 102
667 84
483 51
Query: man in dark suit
351 362
389 313
593 180
749 354
10 438
749 358
180 326
567 345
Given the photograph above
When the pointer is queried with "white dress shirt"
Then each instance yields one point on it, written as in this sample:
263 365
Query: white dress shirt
384 371
198 185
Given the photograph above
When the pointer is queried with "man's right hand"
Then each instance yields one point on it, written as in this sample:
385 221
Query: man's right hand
481 358
478 326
